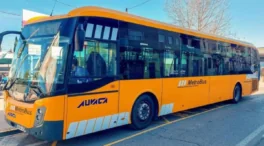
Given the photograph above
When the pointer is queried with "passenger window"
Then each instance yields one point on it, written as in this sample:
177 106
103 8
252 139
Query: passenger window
98 31
184 65
170 40
135 35
192 59
89 30
106 33
114 34
97 58
140 56
142 63
171 61
95 61
161 38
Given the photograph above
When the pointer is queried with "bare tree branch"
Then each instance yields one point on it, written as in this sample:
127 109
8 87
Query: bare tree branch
202 15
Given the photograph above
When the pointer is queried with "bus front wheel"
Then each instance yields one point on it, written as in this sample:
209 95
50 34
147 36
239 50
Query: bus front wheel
142 112
236 94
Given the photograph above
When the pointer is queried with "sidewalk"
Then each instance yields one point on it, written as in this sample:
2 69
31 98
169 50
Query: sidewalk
261 87
261 83
1 104
3 125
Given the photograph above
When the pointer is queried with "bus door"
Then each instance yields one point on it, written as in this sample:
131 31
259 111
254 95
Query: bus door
92 103
170 92
182 86
220 84
193 85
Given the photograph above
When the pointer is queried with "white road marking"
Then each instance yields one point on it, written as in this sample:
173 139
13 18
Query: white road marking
251 136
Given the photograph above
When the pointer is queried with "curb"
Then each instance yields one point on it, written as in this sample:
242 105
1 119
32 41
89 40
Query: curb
8 132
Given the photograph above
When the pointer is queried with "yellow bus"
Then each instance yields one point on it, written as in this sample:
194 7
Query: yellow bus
95 69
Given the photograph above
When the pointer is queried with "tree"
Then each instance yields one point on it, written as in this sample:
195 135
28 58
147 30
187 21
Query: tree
202 15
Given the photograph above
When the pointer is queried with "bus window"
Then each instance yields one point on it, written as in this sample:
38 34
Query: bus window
139 63
140 57
95 61
197 58
171 63
184 65
192 58
161 38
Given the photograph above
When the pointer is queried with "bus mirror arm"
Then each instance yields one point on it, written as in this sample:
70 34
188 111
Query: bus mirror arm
79 39
9 32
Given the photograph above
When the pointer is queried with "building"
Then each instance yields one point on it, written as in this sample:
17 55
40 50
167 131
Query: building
27 14
5 61
261 53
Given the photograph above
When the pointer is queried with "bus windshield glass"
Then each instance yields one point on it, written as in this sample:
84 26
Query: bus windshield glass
39 59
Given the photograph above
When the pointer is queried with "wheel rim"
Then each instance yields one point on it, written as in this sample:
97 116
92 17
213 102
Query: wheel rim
237 94
143 111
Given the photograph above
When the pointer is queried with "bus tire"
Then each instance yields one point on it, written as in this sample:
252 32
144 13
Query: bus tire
142 112
237 94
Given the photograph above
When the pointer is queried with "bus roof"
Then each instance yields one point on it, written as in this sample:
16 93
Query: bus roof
36 18
113 14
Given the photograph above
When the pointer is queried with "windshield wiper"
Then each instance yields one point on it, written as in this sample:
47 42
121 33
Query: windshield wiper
39 92
15 74
11 83
18 56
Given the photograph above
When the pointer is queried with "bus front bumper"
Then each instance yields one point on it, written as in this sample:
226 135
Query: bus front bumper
49 130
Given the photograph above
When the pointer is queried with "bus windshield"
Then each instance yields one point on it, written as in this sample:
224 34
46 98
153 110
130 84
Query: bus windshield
39 59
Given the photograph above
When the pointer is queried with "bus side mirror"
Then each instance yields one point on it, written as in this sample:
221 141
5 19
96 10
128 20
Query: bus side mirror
10 35
79 38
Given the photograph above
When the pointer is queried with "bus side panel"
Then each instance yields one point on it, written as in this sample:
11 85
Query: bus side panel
220 88
130 90
255 85
93 111
246 86
65 123
238 79
54 106
184 93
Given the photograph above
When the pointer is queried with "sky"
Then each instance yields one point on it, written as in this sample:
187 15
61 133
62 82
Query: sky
247 17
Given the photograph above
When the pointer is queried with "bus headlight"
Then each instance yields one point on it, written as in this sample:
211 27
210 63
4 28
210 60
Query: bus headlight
39 116
40 111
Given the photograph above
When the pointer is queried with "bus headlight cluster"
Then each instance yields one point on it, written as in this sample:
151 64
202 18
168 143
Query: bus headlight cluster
39 116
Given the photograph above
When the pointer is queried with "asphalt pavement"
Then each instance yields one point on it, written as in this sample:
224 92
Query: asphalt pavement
227 126
3 125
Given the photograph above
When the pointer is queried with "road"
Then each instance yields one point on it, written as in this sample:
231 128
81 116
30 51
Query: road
3 125
221 124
